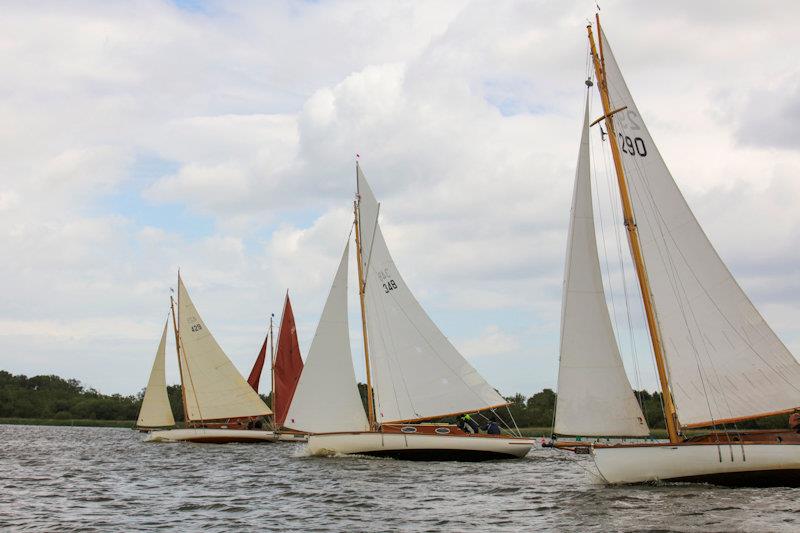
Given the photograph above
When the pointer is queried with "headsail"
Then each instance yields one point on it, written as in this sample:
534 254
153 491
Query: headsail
214 389
156 411
326 398
725 363
417 373
288 364
594 395
255 374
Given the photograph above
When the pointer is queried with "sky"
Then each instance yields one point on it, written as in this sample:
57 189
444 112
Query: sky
137 138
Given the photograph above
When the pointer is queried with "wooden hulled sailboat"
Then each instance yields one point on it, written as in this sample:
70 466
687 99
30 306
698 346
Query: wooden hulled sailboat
218 403
156 412
286 365
416 373
718 361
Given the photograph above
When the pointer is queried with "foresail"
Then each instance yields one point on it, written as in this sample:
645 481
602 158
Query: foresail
255 374
156 411
417 373
724 361
326 398
213 387
288 364
594 395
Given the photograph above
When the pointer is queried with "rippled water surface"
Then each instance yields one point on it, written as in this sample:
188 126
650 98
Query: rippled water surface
103 479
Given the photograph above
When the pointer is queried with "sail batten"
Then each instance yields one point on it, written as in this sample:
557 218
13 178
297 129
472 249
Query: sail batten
156 410
417 373
326 398
595 397
214 388
724 361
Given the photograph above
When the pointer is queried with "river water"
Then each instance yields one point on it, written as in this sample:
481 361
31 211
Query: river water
106 479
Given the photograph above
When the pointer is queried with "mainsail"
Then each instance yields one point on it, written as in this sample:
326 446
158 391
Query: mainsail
417 373
255 374
288 364
326 398
156 411
594 395
213 387
725 363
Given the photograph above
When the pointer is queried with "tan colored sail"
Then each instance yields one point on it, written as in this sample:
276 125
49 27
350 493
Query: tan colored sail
214 388
156 411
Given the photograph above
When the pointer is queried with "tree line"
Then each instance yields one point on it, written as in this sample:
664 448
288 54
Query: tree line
52 397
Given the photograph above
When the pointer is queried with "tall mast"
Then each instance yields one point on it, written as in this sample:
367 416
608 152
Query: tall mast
178 351
362 285
670 415
271 336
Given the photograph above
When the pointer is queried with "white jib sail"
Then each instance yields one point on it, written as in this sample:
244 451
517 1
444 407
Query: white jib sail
213 387
417 373
724 361
326 399
594 395
156 411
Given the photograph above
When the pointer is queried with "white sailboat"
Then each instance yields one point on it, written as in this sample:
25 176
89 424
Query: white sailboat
718 361
219 405
417 374
156 411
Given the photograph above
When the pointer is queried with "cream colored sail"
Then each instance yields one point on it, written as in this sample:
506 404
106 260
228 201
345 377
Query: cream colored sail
594 395
724 361
156 411
417 373
326 399
213 387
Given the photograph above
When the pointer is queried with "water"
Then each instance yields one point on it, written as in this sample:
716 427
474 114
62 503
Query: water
104 479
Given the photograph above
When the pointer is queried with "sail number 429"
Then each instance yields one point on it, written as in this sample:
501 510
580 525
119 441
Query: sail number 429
633 146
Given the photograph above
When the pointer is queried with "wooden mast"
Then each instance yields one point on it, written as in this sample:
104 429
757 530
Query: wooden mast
361 289
633 237
178 351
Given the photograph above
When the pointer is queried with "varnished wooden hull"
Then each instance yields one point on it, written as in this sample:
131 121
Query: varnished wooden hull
755 464
212 436
420 447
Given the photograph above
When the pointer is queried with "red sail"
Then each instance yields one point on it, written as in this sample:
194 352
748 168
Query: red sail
255 374
288 365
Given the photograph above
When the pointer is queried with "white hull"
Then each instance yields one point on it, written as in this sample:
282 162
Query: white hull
209 435
419 447
736 464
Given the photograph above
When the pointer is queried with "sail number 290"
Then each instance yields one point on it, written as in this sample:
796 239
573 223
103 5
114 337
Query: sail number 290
633 146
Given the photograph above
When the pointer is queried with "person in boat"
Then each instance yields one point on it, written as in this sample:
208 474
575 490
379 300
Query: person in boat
467 424
794 420
491 427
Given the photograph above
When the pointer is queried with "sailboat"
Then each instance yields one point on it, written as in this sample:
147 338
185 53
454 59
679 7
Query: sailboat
219 405
156 412
286 366
718 362
417 374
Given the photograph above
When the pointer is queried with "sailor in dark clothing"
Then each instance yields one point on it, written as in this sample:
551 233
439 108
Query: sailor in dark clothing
467 424
794 420
492 428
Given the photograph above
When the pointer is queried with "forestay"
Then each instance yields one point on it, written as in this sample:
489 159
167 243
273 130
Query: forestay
724 361
326 398
417 373
594 395
156 411
213 387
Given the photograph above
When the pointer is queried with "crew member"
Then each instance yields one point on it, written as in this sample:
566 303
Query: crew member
794 420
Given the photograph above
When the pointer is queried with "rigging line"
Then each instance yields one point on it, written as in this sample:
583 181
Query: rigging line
514 421
617 228
575 460
372 240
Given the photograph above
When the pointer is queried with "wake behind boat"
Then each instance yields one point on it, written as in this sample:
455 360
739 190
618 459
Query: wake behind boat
719 363
418 374
219 405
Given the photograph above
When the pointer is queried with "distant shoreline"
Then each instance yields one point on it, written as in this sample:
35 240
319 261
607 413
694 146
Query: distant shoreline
63 422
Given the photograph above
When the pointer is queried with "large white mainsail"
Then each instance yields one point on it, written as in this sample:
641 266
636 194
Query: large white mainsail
724 361
213 388
326 398
594 395
417 373
156 411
